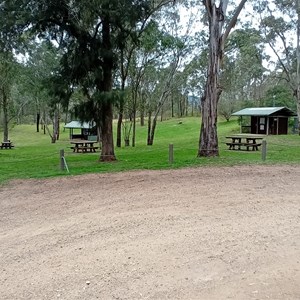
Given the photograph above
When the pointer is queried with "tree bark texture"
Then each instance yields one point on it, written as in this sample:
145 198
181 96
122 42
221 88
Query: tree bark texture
152 132
107 149
208 142
106 110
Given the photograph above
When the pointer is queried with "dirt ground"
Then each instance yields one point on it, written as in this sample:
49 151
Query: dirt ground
203 233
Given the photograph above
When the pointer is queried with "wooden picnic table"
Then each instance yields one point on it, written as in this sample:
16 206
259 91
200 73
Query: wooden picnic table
6 145
244 142
83 146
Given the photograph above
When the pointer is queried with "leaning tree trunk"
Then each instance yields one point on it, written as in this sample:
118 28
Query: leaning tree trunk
152 132
149 128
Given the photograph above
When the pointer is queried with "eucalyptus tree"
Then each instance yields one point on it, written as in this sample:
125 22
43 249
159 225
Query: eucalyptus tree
178 46
8 70
42 60
157 52
151 50
163 89
219 28
134 40
243 71
280 24
196 71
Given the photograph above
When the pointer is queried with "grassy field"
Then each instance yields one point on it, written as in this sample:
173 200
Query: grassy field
35 157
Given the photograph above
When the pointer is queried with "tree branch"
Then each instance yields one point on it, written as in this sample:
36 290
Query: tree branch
233 20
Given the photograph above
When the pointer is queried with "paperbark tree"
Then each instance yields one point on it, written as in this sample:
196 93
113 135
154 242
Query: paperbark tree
218 33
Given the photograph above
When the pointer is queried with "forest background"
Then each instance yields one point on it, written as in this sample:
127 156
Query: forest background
104 60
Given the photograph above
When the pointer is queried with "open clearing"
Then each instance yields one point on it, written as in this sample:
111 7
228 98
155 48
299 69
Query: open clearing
201 233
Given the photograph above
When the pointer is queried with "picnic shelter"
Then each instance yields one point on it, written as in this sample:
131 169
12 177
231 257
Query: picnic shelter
265 120
82 130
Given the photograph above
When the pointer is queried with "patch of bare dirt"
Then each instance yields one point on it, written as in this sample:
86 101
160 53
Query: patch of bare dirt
203 233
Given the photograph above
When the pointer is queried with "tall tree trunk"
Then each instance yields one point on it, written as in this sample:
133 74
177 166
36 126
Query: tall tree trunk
142 118
121 111
149 128
119 125
172 105
5 115
297 92
55 136
106 110
107 150
142 110
151 139
44 125
38 118
186 106
208 142
134 127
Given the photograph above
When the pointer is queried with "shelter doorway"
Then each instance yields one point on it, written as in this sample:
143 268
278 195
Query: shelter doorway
259 125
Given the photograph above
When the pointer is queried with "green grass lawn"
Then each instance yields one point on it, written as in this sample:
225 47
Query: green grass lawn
34 156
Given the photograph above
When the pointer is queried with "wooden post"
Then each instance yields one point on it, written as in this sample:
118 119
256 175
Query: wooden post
171 153
61 159
264 150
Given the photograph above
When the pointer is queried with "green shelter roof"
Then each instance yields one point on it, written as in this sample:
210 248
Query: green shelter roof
80 125
264 111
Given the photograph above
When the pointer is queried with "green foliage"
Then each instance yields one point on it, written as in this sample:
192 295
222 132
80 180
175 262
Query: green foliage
244 53
35 157
89 34
280 95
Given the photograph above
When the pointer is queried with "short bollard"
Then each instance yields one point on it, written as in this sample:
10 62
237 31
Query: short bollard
171 153
264 150
61 159
63 162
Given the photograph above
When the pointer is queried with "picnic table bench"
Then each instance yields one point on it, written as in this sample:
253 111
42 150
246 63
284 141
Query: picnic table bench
83 146
6 145
244 142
